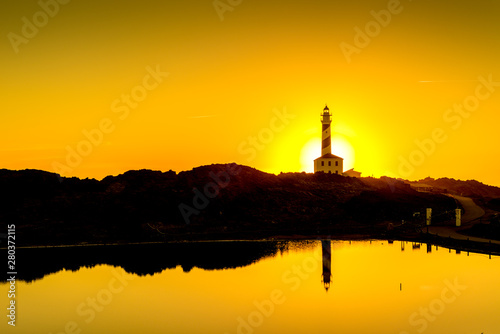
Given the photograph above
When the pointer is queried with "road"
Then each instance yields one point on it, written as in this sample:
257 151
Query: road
472 212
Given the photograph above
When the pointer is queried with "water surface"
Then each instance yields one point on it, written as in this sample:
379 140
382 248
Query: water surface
262 287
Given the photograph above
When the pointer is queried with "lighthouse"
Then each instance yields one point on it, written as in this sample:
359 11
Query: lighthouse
326 250
326 137
327 162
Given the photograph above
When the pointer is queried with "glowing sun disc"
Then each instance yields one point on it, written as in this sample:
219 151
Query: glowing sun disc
312 150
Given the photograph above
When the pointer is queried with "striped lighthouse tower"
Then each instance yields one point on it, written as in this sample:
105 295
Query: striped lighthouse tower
327 162
326 121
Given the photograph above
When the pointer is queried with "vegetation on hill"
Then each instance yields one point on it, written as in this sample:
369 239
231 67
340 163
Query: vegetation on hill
220 200
470 188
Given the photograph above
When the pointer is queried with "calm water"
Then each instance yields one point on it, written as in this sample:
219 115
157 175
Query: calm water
262 287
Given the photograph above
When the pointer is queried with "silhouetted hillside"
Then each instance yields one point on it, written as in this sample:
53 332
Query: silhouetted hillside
469 188
493 204
209 201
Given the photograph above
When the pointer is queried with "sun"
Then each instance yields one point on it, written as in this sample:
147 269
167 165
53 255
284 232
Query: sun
312 150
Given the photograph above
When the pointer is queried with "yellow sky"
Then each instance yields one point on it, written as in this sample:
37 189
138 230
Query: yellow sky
170 85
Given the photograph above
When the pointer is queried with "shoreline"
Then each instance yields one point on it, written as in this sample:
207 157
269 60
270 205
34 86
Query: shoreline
461 243
210 252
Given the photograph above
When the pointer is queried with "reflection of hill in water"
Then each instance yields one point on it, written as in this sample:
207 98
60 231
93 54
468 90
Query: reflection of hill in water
148 259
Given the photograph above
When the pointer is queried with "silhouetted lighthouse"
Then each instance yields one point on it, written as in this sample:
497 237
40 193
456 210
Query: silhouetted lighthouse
326 136
328 162
326 276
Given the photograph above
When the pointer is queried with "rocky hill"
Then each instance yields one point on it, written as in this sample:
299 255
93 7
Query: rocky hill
484 195
220 200
470 188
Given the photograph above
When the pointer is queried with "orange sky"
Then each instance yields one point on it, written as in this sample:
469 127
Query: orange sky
177 84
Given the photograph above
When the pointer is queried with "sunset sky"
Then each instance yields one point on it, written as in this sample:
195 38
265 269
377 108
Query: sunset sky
93 88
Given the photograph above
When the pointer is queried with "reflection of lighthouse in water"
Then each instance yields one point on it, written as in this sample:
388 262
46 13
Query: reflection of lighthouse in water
327 263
